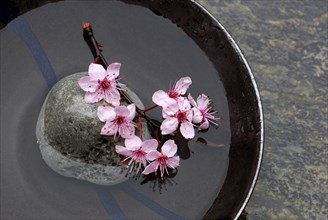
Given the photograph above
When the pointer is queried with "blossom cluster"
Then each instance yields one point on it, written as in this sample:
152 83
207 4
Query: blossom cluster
181 114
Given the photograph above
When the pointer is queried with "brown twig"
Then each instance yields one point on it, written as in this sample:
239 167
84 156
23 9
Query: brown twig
96 49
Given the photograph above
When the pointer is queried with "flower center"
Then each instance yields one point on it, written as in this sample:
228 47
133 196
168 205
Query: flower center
181 116
119 120
173 94
162 159
203 111
105 84
138 154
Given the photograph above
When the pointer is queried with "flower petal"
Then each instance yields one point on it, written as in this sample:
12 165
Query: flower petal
165 115
173 162
159 98
149 145
152 167
88 84
192 101
133 143
116 102
169 125
92 97
197 115
126 130
204 125
97 71
106 113
169 148
187 130
122 111
113 71
171 109
112 96
184 104
109 129
153 155
182 85
123 150
132 114
203 101
189 115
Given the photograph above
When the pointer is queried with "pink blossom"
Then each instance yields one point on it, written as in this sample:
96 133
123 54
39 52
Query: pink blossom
163 159
202 113
101 84
136 151
178 114
118 119
163 99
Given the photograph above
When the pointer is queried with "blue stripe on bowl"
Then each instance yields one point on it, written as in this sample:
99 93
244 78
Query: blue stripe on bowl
24 31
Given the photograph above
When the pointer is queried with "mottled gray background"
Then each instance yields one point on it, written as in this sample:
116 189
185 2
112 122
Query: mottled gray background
285 43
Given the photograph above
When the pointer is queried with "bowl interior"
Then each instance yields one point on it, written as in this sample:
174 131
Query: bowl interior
245 113
156 42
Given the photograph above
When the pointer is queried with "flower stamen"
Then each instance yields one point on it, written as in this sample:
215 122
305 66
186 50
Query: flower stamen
105 84
119 120
181 116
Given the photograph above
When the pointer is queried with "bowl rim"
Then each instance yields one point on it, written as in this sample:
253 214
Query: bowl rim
257 95
259 103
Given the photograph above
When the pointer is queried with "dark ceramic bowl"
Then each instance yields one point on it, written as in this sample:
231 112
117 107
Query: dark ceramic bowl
156 41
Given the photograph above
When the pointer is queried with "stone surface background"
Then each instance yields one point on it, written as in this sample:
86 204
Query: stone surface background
285 43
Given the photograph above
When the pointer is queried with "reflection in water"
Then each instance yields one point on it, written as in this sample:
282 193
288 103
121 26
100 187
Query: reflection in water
113 208
151 204
158 183
110 204
23 30
204 164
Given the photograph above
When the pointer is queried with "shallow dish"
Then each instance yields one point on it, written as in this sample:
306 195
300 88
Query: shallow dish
156 41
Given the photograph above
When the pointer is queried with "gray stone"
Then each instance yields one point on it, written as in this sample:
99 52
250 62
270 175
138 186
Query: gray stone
68 133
